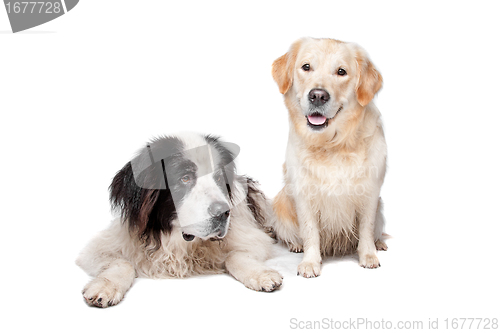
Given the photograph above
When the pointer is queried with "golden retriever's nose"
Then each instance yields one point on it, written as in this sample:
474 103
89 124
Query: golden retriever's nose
318 97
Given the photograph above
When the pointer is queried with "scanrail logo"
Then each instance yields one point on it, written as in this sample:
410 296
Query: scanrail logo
24 15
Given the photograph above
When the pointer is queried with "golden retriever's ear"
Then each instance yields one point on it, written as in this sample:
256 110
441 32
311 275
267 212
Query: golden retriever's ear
283 68
369 79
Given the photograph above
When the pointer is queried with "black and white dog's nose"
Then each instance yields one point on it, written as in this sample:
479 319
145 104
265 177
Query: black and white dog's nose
318 97
219 210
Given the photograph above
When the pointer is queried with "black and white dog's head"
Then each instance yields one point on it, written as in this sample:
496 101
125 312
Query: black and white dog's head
184 182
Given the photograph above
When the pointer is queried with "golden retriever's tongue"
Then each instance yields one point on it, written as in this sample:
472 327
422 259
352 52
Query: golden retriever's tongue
316 119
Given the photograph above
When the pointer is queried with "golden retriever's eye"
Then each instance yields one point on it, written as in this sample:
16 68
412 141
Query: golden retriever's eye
186 179
306 67
341 72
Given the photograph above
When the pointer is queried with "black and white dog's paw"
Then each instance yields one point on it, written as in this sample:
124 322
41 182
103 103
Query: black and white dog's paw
268 280
102 293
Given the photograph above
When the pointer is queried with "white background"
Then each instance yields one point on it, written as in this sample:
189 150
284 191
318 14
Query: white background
79 95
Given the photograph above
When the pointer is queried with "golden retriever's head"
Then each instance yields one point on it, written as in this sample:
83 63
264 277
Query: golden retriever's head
326 83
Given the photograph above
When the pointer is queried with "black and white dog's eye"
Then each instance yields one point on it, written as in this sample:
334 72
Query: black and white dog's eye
186 179
341 72
306 67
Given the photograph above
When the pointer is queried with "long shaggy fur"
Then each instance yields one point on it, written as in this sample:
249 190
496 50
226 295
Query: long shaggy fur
147 240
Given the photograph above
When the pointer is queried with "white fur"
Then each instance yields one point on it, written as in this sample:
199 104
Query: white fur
117 255
192 212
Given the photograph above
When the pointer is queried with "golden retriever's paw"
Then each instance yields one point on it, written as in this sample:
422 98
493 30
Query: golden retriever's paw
297 248
381 245
369 261
309 269
102 293
268 280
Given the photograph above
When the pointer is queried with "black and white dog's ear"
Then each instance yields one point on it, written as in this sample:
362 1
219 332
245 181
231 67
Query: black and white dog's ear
135 203
140 191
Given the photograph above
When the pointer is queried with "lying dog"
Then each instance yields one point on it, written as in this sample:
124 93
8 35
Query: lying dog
184 211
336 155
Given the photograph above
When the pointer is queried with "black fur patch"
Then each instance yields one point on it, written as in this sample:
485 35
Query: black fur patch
253 194
146 189
145 201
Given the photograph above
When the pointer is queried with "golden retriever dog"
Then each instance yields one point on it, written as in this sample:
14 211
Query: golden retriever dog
336 154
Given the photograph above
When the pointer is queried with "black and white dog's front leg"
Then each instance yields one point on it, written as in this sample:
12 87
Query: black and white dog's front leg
109 286
252 272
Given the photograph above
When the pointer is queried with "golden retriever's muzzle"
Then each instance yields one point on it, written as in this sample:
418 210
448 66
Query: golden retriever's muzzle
316 119
317 115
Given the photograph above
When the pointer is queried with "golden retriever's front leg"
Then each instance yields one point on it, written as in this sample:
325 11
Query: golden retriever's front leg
252 272
309 232
367 251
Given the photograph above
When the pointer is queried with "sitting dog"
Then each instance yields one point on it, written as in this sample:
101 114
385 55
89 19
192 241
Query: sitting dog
184 211
336 154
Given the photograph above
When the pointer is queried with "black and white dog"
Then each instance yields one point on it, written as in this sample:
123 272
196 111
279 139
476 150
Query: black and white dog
184 211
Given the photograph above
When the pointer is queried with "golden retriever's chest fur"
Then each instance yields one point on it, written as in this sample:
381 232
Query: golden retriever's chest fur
337 169
335 184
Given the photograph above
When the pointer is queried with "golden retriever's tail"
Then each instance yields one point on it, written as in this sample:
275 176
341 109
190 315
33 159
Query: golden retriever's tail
285 209
284 221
